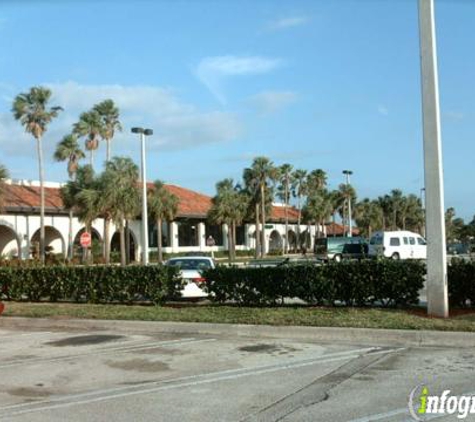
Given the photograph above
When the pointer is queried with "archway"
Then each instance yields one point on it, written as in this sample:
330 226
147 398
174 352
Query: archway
54 242
275 241
292 239
305 240
130 240
9 242
96 240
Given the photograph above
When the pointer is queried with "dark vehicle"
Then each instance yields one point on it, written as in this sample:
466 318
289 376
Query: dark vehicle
337 248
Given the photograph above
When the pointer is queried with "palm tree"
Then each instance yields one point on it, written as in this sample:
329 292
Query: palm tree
31 109
81 195
264 172
252 188
229 207
120 194
109 115
299 190
318 209
68 149
368 216
347 194
162 205
90 125
286 180
3 176
316 180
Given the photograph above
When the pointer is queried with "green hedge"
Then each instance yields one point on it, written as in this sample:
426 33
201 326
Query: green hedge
461 276
348 283
93 284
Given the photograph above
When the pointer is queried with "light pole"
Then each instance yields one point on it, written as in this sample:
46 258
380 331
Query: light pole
348 173
143 133
437 292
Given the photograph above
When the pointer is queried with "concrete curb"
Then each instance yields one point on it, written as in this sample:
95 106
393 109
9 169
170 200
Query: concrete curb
378 337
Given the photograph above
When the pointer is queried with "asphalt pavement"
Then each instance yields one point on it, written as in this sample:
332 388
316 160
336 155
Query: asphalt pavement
74 370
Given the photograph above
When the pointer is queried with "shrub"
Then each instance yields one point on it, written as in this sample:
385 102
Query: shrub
461 276
93 284
348 283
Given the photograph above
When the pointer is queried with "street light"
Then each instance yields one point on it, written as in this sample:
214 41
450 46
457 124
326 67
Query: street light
348 173
143 133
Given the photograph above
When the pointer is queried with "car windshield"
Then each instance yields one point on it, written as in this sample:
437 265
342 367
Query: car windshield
190 264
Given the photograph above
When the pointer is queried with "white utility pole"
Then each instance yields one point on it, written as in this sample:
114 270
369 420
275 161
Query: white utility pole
437 295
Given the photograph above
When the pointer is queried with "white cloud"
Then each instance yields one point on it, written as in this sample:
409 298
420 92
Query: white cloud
268 102
285 23
214 71
383 110
455 115
177 125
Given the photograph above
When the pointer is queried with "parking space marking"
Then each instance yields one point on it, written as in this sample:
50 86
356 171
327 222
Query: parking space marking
182 382
105 351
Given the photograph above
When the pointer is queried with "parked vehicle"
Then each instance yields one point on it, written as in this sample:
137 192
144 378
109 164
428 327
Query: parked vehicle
337 248
191 268
398 245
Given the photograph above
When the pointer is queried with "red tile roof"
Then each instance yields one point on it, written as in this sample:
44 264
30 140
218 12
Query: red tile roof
191 204
28 198
334 229
278 214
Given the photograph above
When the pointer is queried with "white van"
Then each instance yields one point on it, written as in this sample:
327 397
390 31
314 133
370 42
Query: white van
398 245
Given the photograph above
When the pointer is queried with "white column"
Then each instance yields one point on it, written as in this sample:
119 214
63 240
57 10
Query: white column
437 296
174 237
202 236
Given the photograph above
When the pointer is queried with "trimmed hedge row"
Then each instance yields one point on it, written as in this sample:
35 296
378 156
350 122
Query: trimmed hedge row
101 284
348 283
461 280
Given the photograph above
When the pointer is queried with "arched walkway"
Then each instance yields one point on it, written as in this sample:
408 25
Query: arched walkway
292 239
9 242
275 241
54 242
96 240
130 240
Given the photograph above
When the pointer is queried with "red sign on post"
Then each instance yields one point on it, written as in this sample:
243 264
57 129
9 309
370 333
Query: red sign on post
85 240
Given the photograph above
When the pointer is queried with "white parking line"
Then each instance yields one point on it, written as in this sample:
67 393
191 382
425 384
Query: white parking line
183 382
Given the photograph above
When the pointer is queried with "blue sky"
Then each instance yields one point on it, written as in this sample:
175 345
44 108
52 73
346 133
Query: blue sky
318 84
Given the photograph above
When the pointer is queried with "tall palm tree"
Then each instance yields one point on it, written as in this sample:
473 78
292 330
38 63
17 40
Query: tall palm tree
299 190
68 149
109 115
286 181
347 194
252 188
368 216
31 109
318 209
264 172
162 206
91 126
120 194
3 176
316 180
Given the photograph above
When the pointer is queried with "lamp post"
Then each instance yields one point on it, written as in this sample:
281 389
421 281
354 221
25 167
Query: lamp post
348 173
437 291
143 133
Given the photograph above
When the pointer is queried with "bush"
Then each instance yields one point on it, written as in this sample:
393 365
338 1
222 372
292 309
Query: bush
347 283
461 276
101 284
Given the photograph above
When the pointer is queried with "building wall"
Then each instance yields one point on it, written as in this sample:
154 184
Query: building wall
19 231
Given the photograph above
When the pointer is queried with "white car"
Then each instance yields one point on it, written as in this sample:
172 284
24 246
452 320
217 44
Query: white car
398 245
191 268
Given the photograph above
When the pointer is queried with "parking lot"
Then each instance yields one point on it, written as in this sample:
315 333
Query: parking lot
100 372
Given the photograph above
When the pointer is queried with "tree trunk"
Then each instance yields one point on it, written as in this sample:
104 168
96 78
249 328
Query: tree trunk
42 200
230 243
91 157
106 248
257 232
234 239
263 215
127 242
299 220
285 250
122 243
70 235
159 240
108 153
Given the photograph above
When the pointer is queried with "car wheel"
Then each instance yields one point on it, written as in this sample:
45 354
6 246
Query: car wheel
337 258
395 256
